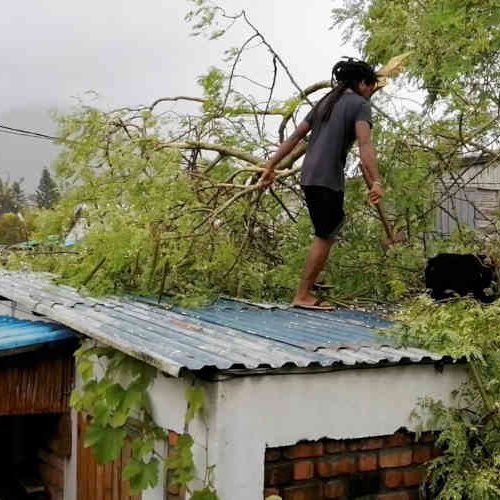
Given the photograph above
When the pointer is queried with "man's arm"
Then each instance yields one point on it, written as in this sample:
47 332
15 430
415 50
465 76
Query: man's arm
286 147
369 160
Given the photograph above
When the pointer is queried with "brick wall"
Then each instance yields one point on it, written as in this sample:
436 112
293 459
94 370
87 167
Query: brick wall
380 468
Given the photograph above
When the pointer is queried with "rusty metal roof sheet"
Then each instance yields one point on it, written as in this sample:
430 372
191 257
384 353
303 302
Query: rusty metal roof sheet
227 335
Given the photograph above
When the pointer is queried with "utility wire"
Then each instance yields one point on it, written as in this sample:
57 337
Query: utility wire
4 129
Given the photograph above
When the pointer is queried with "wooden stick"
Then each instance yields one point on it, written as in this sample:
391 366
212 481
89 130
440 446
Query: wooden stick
380 209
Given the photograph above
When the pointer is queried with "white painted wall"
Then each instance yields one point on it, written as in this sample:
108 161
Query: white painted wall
168 396
244 415
254 412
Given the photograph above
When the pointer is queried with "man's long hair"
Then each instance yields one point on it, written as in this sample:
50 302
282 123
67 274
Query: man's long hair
346 74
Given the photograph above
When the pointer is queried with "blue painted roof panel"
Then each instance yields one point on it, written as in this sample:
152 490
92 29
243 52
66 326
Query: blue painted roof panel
17 334
308 330
226 335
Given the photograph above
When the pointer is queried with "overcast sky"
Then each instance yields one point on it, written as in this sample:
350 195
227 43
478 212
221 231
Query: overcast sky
55 52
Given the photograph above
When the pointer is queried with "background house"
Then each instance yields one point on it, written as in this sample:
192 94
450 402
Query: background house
470 196
302 404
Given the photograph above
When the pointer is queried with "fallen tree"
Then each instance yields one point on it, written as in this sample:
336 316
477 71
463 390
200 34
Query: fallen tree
172 197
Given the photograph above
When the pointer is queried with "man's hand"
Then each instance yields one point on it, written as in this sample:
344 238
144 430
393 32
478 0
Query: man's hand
267 177
376 193
286 147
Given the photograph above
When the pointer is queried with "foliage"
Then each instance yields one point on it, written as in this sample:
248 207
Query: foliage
12 229
454 44
119 411
12 198
470 437
114 393
47 193
193 225
458 328
171 194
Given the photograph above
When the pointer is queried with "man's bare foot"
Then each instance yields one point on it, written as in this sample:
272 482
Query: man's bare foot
311 302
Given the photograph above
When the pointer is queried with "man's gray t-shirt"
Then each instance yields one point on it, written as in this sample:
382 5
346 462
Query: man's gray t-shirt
331 141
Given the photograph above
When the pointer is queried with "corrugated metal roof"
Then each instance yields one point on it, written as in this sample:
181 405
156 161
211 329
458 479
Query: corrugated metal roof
226 335
17 334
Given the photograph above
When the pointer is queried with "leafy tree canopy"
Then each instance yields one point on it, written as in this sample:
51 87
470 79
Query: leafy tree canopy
47 193
171 191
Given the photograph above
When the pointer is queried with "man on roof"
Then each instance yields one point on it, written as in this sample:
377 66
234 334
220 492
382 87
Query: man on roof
340 118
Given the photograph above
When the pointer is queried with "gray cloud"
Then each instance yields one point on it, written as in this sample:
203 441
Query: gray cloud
130 53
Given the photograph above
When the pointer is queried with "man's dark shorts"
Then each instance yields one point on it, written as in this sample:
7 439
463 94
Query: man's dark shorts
326 209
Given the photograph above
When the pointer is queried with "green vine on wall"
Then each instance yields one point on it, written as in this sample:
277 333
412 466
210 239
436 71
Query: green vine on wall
114 393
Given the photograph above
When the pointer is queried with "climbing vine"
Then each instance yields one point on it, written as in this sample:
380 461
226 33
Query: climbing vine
114 393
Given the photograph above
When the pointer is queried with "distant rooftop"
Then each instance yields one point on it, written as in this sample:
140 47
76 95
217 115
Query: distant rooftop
228 335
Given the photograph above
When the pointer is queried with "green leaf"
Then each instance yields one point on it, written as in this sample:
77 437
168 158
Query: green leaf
141 475
106 442
142 447
204 494
115 394
131 400
195 397
76 399
85 369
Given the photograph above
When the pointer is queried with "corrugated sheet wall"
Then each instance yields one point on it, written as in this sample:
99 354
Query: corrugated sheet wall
475 200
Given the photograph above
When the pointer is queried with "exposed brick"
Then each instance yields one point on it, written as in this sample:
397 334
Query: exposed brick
303 470
271 491
398 439
272 454
354 444
371 444
335 489
393 479
312 491
367 462
337 466
366 483
276 475
335 446
364 444
304 450
395 458
422 454
413 477
173 438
